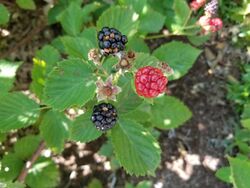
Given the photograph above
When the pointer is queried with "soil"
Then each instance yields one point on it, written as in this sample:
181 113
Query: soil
190 154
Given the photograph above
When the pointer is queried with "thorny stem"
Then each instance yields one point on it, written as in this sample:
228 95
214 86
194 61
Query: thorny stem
30 162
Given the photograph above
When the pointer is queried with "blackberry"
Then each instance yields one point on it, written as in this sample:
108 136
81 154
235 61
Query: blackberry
111 41
104 116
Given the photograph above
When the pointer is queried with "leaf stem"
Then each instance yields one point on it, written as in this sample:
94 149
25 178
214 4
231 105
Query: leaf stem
23 174
188 18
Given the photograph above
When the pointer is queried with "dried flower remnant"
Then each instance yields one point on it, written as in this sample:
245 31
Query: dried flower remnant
94 56
107 90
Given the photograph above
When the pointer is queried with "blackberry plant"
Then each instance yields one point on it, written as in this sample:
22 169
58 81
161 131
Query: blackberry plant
102 71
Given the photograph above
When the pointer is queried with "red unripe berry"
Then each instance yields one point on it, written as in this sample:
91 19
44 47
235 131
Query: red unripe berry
197 4
150 82
216 24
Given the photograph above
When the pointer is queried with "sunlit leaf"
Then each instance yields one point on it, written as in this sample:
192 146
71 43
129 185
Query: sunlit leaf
55 129
135 148
179 56
17 111
70 83
83 129
123 19
240 172
43 174
169 112
11 166
71 19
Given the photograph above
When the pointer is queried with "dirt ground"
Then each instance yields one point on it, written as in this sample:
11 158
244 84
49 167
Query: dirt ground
190 154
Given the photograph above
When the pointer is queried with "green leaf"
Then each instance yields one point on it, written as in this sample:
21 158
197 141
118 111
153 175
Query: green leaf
106 149
135 148
199 40
17 111
43 174
123 19
88 9
151 21
83 129
169 112
50 55
70 83
137 5
90 34
26 146
245 117
137 44
71 19
140 114
77 46
144 184
45 59
177 17
179 56
143 60
55 129
9 184
26 4
7 75
240 172
95 183
4 15
224 174
11 166
127 100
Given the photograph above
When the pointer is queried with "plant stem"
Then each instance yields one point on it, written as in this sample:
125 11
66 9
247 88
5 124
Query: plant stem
30 162
188 18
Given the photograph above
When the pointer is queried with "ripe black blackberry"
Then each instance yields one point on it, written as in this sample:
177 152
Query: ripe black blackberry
111 41
104 116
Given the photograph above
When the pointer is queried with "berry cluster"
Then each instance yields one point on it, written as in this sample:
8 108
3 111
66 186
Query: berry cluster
150 82
208 21
104 116
111 41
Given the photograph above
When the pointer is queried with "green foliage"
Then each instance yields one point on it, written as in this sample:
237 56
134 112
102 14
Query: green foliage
55 129
77 46
70 83
179 56
240 172
95 183
120 18
63 77
26 146
26 4
17 111
83 130
148 23
177 16
43 174
224 174
7 76
71 19
45 60
11 166
9 184
142 153
4 15
164 113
